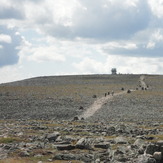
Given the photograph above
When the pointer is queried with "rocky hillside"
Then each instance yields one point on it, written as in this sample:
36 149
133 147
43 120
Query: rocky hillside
41 119
57 97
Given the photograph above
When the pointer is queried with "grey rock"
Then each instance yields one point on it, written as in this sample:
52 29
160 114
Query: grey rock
24 154
119 156
151 148
123 149
7 146
160 143
86 158
141 150
139 142
53 136
75 118
84 143
64 157
94 96
158 156
121 140
3 154
121 128
97 160
145 159
83 157
111 130
65 147
103 145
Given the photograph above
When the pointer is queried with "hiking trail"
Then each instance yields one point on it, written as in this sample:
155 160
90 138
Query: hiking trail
98 104
101 101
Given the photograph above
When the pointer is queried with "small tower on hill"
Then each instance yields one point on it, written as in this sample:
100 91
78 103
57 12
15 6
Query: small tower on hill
114 71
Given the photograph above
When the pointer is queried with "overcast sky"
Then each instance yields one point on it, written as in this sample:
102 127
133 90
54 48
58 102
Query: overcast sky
62 37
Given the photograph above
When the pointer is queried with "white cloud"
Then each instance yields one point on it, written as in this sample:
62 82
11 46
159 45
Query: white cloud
150 45
11 73
44 54
87 19
5 38
11 10
122 63
88 65
157 7
125 45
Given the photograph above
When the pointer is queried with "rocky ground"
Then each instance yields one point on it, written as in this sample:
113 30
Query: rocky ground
80 141
39 120
57 97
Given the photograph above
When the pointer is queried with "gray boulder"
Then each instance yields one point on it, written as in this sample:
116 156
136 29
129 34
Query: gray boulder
139 142
121 140
158 156
104 145
160 143
65 147
53 136
151 148
24 154
111 130
3 153
64 157
145 159
84 143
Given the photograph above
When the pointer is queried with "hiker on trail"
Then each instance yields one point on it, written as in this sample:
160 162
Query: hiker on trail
108 93
112 93
105 94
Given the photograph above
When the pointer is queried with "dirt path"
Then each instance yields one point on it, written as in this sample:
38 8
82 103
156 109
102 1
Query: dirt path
142 81
101 101
98 104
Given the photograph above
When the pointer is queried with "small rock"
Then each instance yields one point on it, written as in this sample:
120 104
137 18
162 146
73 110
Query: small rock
86 158
121 140
151 148
145 159
97 160
53 136
102 145
139 142
157 156
128 91
76 118
24 154
64 157
3 154
94 96
160 143
20 134
65 147
111 130
81 108
141 150
84 143
40 162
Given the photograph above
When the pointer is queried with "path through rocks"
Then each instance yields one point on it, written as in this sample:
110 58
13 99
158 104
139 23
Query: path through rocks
142 82
101 101
98 104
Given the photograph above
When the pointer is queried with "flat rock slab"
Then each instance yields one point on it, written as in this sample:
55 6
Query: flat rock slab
65 147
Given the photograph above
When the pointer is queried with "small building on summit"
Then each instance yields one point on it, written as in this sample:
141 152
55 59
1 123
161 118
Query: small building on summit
114 71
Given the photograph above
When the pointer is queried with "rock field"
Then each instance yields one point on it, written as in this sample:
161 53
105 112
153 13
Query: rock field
41 120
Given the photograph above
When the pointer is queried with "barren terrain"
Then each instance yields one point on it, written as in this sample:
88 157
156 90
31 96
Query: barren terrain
72 118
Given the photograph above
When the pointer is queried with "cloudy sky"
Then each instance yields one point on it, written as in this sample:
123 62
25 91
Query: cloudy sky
60 37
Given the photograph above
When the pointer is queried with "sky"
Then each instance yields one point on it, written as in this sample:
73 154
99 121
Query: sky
69 37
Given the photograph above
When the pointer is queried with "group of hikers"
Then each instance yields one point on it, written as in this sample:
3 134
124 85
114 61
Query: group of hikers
109 93
128 91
